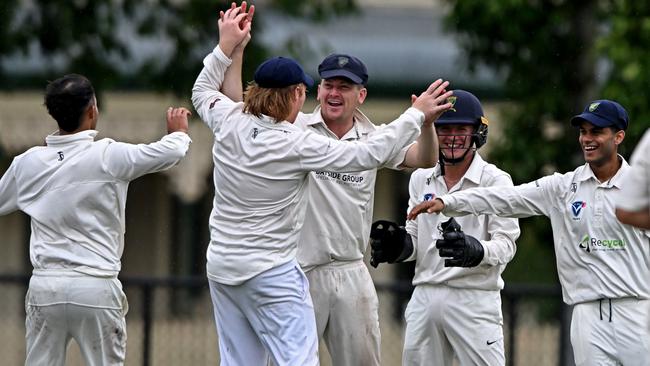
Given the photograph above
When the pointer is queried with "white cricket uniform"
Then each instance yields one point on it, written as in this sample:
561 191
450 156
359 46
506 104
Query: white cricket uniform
74 189
603 265
636 195
456 312
260 177
331 248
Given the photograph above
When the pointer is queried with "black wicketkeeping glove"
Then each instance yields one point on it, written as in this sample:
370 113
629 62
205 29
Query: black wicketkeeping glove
389 242
464 250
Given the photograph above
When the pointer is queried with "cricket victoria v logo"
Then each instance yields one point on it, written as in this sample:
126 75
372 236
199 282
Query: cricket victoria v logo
576 209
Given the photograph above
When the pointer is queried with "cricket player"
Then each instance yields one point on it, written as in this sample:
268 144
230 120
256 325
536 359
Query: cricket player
335 234
74 190
602 264
633 204
455 310
262 160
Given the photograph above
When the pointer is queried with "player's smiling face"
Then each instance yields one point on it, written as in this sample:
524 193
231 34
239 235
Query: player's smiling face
338 98
454 139
599 144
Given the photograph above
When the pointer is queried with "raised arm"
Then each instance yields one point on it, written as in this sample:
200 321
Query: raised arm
232 83
424 152
207 87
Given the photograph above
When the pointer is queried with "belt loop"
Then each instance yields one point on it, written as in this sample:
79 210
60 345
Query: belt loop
610 310
600 308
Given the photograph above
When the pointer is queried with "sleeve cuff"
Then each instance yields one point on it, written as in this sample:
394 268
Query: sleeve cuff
417 114
218 53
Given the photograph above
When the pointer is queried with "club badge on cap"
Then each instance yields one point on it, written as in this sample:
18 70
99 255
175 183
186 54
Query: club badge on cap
343 66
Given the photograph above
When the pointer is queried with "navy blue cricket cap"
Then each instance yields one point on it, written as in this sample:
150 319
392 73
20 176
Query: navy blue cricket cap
465 110
280 72
603 113
338 65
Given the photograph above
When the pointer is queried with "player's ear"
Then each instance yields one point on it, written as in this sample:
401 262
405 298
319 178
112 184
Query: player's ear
363 92
619 136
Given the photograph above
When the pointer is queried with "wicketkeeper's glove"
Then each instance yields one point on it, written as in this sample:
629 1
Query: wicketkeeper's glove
389 243
464 250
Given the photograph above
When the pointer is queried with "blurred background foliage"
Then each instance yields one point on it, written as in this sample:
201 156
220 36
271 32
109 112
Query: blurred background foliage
553 55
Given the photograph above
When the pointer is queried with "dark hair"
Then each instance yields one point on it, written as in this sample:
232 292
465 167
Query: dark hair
67 98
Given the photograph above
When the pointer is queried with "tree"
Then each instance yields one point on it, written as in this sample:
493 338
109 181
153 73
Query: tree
555 56
96 38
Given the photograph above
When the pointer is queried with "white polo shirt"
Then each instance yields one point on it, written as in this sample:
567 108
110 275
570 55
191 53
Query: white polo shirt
597 256
260 176
496 234
74 189
339 213
636 193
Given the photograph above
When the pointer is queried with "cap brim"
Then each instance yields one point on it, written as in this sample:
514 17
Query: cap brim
454 122
308 80
592 118
329 74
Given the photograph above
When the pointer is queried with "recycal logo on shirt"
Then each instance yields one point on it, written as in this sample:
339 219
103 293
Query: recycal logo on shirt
589 244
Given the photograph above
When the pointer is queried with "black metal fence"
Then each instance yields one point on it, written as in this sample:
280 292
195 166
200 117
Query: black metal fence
170 322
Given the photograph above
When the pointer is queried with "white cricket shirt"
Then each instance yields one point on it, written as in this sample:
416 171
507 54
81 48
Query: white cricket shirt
597 256
636 193
74 189
339 213
260 176
496 234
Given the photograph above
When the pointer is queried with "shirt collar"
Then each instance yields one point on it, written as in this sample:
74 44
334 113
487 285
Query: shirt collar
586 173
361 125
473 173
56 139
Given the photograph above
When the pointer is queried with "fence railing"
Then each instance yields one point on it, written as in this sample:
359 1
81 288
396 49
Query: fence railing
146 289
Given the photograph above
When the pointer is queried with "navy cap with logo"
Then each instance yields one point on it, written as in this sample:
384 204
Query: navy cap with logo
603 113
280 72
345 66
466 109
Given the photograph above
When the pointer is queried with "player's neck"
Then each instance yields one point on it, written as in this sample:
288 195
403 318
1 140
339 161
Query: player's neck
455 172
606 171
340 127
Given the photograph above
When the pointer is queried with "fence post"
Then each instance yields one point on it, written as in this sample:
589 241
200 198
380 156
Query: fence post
146 331
566 351
512 316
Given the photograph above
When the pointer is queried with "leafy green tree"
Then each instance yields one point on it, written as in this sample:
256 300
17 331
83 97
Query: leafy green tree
627 48
554 56
93 37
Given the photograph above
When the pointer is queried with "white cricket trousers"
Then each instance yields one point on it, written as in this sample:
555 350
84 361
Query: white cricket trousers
62 306
347 312
611 332
444 323
269 315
